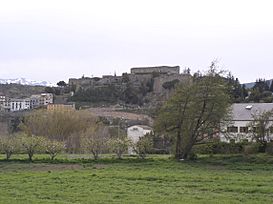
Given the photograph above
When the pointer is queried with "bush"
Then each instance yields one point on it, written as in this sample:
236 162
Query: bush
32 144
53 147
8 145
192 156
218 148
269 148
203 149
119 145
251 149
143 146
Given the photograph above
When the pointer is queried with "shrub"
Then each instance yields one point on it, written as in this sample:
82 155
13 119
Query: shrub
53 147
8 145
218 148
119 145
251 149
94 140
203 148
143 146
192 156
32 144
269 148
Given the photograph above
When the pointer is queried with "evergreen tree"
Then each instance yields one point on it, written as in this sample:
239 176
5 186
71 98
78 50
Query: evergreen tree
271 86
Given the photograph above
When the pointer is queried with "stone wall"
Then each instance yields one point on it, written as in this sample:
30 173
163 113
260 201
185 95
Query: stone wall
159 81
146 81
161 70
137 76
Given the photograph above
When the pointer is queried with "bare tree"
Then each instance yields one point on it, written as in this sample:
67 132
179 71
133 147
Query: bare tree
53 147
120 145
8 145
31 144
143 146
94 140
64 126
261 126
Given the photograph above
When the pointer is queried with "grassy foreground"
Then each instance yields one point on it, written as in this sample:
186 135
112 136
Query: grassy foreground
220 179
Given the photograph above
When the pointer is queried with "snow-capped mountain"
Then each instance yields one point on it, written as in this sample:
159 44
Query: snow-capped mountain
24 81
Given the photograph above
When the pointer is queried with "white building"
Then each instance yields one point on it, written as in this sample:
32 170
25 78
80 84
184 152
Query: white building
2 102
135 132
238 128
2 99
19 104
47 98
11 104
41 100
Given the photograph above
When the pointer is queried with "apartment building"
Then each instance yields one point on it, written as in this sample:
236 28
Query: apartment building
18 104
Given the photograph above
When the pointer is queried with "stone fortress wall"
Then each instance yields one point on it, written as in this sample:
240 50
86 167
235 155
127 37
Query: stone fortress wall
159 69
138 76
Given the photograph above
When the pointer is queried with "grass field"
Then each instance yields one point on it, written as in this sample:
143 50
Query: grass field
220 179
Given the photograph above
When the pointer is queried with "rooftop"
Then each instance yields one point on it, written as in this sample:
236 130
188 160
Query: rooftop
145 127
245 111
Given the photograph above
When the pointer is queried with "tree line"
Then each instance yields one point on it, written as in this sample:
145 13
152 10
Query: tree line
261 92
200 107
53 132
194 113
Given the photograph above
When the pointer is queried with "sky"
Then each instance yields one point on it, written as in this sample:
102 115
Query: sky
56 40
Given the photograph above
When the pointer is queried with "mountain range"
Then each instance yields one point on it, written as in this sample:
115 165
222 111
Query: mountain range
25 81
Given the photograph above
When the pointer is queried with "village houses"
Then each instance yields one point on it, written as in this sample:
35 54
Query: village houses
19 104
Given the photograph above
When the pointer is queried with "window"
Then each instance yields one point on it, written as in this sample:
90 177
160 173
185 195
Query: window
232 129
244 129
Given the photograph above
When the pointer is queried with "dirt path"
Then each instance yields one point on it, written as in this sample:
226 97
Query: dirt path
110 112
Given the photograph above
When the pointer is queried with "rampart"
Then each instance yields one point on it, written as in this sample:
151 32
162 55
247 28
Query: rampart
160 69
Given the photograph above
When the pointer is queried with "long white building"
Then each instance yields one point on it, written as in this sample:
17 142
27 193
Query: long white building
20 104
239 127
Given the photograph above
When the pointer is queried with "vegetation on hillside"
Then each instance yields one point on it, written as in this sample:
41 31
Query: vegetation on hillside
20 91
112 94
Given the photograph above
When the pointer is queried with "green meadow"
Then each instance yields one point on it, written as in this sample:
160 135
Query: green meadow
157 179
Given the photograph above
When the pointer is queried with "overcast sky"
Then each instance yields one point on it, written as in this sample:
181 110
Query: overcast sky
57 39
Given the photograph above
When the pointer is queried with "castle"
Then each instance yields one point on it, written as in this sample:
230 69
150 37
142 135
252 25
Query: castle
139 75
162 70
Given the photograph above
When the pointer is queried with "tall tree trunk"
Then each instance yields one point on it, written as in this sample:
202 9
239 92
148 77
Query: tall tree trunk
188 148
8 155
178 148
30 155
95 155
53 156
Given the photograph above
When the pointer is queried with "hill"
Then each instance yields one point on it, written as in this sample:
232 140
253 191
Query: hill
20 91
145 86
